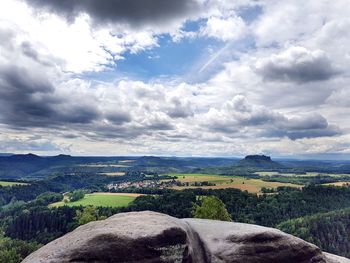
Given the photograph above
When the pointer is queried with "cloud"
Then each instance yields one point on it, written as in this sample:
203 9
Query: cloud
238 118
28 100
224 28
132 12
179 108
276 82
297 64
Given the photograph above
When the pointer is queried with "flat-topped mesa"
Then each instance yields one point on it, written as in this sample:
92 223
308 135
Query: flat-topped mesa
258 158
151 237
259 161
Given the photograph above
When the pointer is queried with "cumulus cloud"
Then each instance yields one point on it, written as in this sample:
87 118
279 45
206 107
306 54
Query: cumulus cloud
279 81
133 12
30 99
179 108
239 118
297 64
224 28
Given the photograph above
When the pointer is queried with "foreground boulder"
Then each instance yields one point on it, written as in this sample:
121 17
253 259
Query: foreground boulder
153 237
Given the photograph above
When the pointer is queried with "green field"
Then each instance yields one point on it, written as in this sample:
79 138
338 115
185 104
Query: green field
223 182
4 183
101 199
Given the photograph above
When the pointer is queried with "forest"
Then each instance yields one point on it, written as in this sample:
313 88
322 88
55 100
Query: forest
29 222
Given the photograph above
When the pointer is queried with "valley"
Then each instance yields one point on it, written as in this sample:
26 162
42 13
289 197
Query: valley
42 198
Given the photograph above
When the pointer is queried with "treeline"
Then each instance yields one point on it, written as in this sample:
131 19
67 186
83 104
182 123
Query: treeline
266 210
329 231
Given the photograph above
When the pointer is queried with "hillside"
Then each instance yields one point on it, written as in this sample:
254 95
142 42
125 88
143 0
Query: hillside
317 228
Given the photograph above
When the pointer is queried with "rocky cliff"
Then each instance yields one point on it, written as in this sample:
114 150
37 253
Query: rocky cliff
153 237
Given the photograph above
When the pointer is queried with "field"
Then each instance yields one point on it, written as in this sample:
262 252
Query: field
339 184
223 182
104 165
102 199
4 183
114 174
308 174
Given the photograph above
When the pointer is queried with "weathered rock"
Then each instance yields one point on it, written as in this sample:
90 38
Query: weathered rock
236 242
153 237
130 237
335 259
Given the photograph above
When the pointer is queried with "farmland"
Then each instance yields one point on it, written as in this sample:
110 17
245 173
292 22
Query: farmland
4 183
101 199
114 174
307 174
104 165
224 182
339 184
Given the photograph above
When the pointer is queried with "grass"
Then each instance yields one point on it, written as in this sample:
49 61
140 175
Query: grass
4 183
223 182
101 199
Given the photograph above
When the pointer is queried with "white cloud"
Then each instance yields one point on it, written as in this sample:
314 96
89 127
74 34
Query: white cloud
225 29
284 92
75 47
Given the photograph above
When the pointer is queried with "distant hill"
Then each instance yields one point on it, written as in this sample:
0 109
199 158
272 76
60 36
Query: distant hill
259 161
62 157
24 157
31 166
5 154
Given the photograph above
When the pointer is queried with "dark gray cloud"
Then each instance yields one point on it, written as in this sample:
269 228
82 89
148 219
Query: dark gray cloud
298 65
329 131
118 117
308 122
308 126
133 12
27 99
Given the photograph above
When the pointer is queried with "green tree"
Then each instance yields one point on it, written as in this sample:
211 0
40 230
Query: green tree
76 195
211 208
89 214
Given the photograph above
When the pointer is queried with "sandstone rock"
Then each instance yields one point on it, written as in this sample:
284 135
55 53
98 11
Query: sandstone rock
335 259
236 242
153 237
130 237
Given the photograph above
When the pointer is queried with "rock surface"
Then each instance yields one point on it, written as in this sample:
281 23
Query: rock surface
153 237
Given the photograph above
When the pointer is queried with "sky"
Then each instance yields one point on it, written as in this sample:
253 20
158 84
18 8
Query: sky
177 78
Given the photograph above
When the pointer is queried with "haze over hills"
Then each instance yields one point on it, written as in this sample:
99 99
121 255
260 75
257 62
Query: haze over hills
31 166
